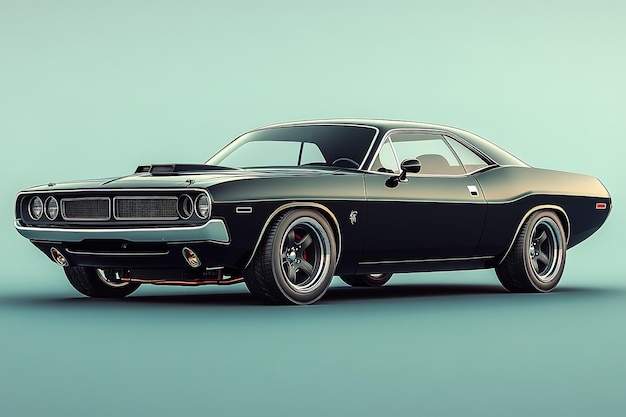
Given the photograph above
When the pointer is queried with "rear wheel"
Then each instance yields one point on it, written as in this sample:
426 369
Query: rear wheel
537 259
98 283
366 280
296 260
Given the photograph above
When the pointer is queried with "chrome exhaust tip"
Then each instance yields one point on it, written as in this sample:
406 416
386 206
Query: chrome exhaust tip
191 258
58 257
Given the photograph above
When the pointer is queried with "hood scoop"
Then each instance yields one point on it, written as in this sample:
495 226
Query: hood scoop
176 169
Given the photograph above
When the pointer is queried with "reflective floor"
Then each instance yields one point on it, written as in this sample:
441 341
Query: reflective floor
437 345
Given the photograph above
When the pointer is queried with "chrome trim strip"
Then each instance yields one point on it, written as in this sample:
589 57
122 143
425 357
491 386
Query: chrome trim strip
91 253
297 205
146 197
415 261
110 190
78 219
369 150
243 210
214 231
527 215
263 200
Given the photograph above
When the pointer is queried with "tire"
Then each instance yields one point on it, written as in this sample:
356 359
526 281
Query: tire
537 258
366 280
98 283
295 262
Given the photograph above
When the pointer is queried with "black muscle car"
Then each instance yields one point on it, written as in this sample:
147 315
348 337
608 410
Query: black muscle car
286 207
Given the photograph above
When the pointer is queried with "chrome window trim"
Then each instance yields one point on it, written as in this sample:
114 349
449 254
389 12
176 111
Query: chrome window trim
464 175
146 197
79 219
490 162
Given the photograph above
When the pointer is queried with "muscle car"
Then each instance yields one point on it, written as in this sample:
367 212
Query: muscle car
285 208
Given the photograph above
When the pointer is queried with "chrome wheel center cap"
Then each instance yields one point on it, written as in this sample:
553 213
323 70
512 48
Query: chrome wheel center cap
292 255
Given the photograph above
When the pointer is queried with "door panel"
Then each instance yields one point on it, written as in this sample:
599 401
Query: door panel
424 218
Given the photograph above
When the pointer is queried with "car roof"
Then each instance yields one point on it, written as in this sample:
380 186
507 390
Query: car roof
382 124
493 151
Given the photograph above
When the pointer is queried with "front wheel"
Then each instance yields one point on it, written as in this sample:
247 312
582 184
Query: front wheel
366 280
98 283
537 259
296 260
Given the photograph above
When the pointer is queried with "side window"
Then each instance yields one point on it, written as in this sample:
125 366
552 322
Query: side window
431 150
469 159
311 154
386 160
264 154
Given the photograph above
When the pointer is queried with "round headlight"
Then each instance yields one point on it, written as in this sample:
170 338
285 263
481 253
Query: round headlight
35 208
203 206
51 208
185 206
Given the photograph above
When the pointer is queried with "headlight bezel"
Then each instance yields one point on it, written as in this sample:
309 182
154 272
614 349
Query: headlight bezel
46 210
200 200
186 207
31 208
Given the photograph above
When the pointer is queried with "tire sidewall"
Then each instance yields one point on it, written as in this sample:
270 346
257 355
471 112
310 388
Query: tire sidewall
533 278
285 223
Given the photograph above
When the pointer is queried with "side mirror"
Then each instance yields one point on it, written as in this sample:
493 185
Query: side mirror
408 165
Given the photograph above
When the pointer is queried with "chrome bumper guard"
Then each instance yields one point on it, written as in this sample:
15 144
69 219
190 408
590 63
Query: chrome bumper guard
213 231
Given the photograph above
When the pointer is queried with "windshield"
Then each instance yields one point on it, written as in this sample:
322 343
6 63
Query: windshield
292 146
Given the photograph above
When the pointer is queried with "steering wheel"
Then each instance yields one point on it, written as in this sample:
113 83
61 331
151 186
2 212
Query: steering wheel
345 163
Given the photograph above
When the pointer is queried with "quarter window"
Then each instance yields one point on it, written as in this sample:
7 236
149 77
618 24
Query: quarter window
470 160
386 160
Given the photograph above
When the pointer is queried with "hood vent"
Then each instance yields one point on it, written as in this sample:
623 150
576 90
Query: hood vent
176 169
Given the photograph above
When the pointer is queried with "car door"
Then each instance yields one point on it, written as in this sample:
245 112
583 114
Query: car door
437 213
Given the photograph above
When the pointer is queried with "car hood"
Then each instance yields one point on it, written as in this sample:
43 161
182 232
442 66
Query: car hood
182 179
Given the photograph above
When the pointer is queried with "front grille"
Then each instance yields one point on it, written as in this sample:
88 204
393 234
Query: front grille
97 208
142 208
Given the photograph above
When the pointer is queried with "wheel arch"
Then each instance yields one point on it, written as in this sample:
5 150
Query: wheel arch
320 208
558 210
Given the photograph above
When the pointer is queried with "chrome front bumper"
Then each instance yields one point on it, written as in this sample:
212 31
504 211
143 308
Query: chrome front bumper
213 231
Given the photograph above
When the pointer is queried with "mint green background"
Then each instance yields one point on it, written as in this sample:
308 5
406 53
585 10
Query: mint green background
93 88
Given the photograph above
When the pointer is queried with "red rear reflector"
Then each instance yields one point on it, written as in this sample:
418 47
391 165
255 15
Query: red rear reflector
600 206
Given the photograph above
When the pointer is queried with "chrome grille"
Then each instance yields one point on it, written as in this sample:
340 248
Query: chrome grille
141 208
97 208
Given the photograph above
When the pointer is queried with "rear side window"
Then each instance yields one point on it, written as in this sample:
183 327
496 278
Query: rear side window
469 159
